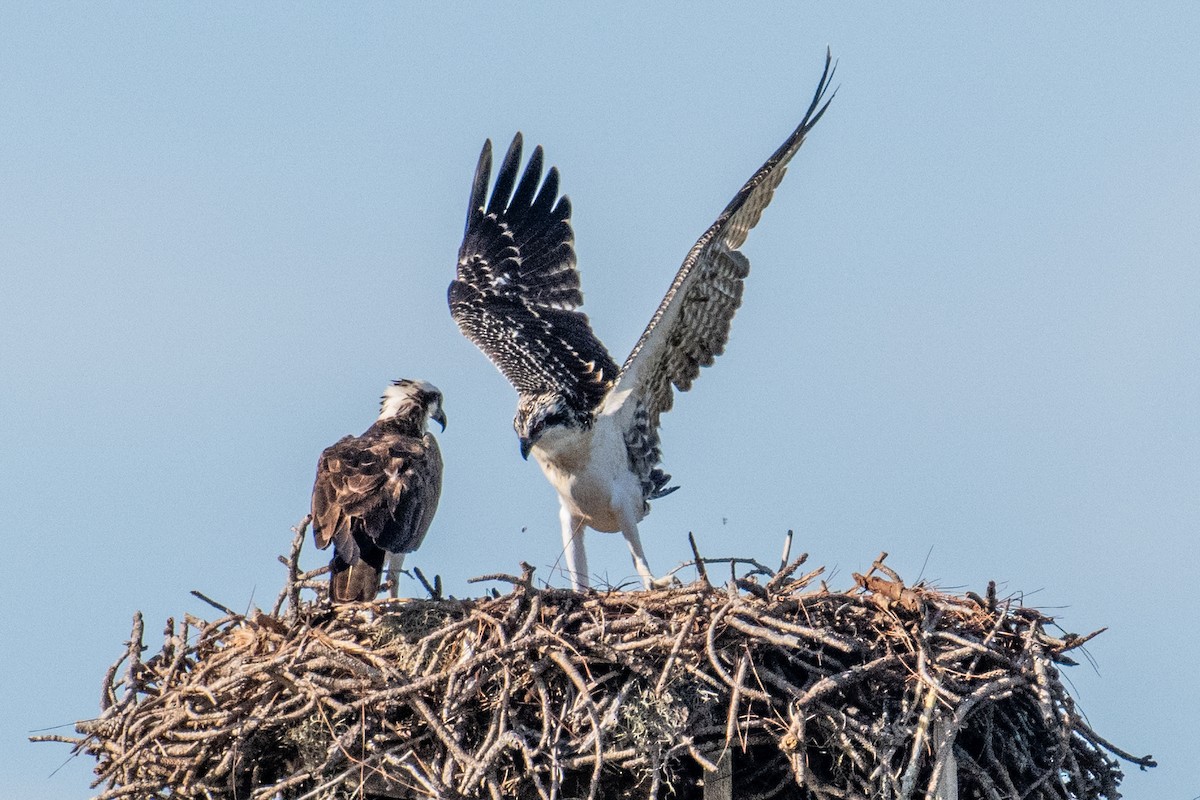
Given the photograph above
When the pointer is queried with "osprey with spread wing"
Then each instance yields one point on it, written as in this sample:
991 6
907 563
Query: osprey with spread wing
593 427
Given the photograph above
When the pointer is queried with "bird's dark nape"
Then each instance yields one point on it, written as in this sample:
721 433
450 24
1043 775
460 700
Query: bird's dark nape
357 582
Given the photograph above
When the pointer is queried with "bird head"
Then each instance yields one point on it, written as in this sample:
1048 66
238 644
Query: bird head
413 398
539 415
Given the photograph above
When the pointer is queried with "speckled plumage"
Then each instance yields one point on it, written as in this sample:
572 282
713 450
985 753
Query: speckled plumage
594 428
375 494
517 287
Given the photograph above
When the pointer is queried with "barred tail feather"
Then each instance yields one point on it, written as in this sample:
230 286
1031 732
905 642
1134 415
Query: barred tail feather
357 581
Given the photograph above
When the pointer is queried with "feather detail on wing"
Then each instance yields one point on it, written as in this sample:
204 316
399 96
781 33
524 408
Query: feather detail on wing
379 486
517 287
691 326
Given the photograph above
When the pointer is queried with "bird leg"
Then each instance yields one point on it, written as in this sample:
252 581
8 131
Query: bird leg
395 563
572 534
630 532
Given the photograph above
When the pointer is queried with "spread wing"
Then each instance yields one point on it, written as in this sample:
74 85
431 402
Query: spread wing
691 326
386 488
516 290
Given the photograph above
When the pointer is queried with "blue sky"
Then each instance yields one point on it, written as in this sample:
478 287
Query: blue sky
970 335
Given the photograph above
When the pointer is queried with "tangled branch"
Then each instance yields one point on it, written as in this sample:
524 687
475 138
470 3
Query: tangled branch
885 691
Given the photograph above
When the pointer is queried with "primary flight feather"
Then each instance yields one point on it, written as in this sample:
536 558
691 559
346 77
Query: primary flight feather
593 427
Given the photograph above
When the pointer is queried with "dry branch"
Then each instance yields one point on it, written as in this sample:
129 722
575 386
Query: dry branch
885 691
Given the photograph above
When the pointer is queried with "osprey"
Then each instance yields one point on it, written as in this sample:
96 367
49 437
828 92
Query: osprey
376 494
593 427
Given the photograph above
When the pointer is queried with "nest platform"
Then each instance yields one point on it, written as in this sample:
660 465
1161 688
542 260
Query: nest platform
770 685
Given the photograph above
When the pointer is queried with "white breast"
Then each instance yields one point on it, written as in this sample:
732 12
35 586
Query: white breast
590 471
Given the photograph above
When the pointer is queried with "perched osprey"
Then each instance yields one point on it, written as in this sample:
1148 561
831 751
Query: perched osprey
376 494
593 427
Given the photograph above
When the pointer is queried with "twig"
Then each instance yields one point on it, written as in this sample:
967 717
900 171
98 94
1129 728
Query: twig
218 606
538 693
701 572
787 550
435 591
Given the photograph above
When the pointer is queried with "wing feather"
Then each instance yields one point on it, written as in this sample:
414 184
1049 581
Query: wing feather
413 494
332 498
691 326
383 487
516 288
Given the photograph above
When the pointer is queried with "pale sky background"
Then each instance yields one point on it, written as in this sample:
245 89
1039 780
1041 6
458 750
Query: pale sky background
970 337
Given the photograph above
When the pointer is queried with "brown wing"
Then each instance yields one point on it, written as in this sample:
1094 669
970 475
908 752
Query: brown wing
382 487
342 488
412 494
691 326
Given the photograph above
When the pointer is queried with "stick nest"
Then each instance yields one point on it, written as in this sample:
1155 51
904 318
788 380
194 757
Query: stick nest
787 688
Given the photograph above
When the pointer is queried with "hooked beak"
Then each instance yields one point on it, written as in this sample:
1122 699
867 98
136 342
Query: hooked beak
526 446
439 417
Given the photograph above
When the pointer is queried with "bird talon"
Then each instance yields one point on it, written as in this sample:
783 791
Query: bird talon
665 582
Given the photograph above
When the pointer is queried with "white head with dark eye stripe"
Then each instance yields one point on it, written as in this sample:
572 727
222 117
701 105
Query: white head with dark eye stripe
541 418
412 399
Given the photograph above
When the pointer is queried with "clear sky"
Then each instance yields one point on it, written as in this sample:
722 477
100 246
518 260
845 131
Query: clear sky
970 336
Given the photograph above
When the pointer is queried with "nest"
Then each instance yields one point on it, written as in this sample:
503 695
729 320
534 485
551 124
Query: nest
770 686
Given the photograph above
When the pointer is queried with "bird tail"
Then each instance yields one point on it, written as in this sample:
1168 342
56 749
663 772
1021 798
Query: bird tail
359 580
658 484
